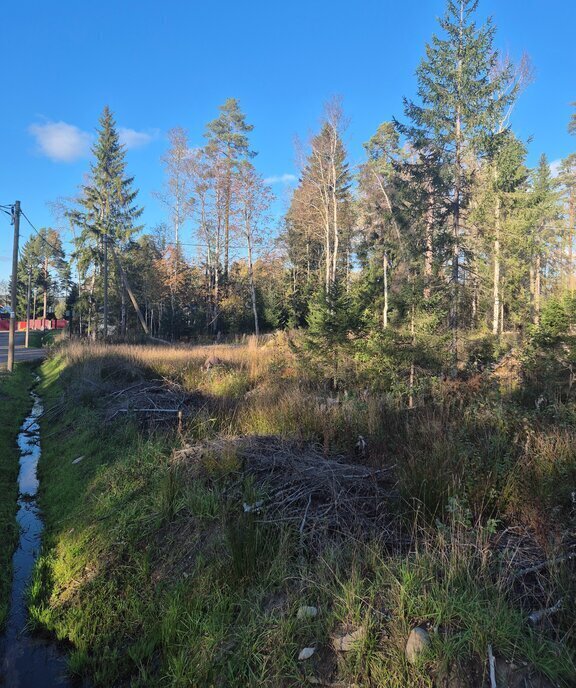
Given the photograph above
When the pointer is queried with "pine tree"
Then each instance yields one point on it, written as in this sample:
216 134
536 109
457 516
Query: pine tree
42 258
228 145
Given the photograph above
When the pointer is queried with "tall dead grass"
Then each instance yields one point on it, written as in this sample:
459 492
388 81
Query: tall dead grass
253 357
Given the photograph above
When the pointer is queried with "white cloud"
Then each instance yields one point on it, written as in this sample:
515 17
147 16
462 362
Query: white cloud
136 139
63 142
281 179
60 141
555 167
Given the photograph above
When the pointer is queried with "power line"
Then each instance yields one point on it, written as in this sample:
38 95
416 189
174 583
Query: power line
56 250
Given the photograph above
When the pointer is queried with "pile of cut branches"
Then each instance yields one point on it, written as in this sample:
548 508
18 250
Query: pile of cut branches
150 400
300 485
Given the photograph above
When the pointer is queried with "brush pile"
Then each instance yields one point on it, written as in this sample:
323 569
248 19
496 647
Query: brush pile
299 484
150 400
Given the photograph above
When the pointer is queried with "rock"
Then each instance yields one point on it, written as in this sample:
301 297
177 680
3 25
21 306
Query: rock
306 653
249 508
418 642
307 613
80 458
347 642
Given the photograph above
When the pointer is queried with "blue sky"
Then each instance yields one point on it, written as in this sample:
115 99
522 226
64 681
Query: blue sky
166 63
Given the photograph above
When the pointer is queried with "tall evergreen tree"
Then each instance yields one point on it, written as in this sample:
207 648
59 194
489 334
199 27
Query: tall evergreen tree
42 258
458 101
572 123
545 236
567 180
228 145
107 208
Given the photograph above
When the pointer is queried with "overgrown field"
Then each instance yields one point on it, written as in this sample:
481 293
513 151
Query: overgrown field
14 403
212 512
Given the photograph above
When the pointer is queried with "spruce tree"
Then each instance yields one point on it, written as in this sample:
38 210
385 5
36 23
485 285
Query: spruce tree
458 99
567 180
544 237
572 123
107 207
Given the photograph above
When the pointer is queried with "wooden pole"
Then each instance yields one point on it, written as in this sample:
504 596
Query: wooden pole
14 285
28 305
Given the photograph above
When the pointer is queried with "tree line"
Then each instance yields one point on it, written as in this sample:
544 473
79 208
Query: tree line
442 231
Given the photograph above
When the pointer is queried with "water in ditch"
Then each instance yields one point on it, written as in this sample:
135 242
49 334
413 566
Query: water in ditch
28 660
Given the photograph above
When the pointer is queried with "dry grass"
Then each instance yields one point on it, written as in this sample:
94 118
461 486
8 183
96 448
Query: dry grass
252 357
263 429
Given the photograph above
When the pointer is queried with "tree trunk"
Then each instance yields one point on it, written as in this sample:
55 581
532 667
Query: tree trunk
252 287
45 313
571 222
123 311
537 289
336 230
412 365
228 204
385 270
496 305
429 256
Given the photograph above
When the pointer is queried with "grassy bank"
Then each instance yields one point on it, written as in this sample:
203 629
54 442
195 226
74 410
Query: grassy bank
179 552
39 339
14 403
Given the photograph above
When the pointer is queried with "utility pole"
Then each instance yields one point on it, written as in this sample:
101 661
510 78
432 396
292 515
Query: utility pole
14 284
28 304
105 287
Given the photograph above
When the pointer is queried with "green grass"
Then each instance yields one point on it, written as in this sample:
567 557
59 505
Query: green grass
156 576
14 403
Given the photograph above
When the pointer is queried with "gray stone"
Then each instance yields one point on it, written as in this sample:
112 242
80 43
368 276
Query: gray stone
306 653
418 642
347 642
307 613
